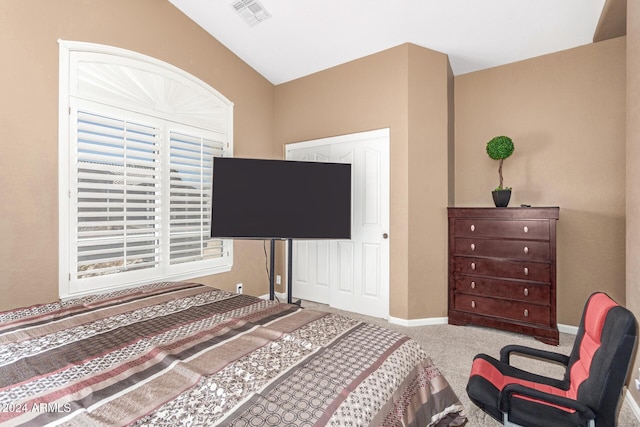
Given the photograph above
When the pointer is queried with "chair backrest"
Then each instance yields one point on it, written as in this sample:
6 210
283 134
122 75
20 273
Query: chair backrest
601 356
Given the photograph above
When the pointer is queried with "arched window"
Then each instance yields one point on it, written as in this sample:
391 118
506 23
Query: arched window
136 146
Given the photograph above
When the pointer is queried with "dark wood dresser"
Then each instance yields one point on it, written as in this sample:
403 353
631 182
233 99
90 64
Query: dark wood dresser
502 269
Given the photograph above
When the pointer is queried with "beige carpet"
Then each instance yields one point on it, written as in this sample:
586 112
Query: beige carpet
452 349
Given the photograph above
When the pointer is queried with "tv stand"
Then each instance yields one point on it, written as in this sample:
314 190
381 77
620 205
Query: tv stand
272 288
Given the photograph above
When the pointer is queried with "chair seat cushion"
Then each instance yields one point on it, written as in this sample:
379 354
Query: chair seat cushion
489 376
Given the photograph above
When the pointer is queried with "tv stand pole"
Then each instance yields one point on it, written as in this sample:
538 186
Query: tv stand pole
272 261
290 271
290 275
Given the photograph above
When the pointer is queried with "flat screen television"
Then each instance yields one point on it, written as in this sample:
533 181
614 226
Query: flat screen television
280 199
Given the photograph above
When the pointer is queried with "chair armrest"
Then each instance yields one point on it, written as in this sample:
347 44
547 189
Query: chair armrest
506 351
511 389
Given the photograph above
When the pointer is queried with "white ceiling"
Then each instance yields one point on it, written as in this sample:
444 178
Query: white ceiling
306 36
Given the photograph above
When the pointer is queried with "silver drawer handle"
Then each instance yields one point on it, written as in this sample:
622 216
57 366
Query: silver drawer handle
473 227
526 250
526 229
473 285
473 247
526 292
473 304
526 313
473 265
526 271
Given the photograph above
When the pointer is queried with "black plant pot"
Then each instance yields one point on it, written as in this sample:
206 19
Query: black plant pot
501 198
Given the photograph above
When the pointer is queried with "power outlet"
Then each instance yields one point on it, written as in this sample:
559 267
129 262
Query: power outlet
239 288
278 279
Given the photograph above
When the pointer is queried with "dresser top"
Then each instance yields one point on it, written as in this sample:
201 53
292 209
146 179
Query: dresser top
548 212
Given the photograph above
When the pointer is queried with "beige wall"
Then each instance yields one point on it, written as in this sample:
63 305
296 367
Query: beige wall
633 169
430 135
566 115
405 89
29 31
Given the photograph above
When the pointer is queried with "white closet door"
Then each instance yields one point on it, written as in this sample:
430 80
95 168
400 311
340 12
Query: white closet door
311 257
350 274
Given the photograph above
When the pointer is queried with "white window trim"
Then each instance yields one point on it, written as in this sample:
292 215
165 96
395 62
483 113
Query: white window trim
209 111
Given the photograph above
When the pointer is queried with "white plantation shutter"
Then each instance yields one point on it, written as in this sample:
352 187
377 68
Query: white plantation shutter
191 165
137 141
117 195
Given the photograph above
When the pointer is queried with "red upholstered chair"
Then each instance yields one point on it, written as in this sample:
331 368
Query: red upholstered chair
589 393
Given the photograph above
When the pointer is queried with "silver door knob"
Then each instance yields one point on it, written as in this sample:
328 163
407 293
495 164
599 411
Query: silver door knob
385 236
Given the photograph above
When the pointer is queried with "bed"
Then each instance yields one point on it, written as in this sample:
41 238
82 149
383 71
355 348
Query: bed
171 354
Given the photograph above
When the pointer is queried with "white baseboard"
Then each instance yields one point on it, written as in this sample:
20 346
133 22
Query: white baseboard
282 296
632 404
429 321
568 329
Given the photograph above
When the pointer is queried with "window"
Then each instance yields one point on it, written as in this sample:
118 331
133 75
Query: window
137 141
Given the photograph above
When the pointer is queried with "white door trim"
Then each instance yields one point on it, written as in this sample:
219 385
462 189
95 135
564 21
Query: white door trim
378 133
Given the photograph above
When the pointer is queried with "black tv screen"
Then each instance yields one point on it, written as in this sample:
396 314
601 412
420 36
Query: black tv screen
280 199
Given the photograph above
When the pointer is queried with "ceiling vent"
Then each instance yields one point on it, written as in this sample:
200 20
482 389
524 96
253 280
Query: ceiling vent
251 11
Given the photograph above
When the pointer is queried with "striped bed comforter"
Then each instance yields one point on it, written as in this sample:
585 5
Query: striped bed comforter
173 354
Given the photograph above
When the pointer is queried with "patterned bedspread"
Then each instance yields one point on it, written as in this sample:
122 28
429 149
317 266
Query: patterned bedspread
173 354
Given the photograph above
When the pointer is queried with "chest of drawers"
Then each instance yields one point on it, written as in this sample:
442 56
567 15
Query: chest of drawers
502 269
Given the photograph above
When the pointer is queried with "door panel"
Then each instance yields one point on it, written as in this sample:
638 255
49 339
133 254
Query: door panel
345 268
372 202
371 270
322 263
302 256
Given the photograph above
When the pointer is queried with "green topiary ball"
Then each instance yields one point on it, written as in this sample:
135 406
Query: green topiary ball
500 147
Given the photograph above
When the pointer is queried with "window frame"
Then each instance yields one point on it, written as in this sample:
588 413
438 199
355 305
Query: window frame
210 115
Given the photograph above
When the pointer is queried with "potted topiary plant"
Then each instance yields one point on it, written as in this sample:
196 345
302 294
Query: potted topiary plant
499 148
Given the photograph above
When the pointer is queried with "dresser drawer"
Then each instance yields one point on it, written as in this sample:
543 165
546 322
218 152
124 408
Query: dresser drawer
524 250
497 228
521 291
505 269
504 309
